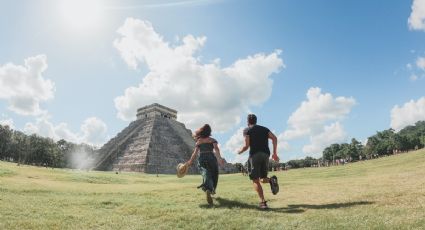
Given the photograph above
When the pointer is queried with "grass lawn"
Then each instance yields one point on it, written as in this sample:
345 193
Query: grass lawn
386 193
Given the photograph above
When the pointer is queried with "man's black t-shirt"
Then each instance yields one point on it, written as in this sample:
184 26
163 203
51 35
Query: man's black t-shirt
258 139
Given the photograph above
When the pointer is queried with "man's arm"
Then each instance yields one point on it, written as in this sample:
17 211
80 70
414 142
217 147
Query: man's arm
246 146
274 141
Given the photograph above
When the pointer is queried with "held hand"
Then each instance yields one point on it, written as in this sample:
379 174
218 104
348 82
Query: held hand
275 157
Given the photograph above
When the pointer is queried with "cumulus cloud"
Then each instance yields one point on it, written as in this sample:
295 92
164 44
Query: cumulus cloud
416 19
282 145
316 117
332 133
177 78
24 87
408 114
93 130
232 146
235 142
319 109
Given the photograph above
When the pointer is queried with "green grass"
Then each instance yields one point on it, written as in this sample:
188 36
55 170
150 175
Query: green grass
386 193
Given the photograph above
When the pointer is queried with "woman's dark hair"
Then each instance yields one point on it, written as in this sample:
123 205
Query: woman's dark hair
252 119
204 131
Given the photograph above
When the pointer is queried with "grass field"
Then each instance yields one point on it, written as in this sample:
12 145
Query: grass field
386 193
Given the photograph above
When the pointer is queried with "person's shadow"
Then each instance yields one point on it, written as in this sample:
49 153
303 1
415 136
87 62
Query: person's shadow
291 208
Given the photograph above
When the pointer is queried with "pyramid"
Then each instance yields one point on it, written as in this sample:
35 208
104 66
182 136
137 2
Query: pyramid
154 143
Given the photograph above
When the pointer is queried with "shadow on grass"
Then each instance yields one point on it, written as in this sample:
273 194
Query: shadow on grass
230 204
330 206
292 208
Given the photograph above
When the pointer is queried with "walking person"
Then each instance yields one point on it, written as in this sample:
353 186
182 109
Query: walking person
209 155
257 140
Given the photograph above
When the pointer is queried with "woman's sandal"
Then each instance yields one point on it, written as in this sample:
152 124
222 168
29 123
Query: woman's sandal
209 198
263 205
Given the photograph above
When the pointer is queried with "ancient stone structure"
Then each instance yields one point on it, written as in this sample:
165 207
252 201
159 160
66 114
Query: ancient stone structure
154 143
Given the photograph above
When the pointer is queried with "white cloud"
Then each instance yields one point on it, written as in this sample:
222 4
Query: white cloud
416 19
200 92
92 131
282 145
234 144
408 114
9 122
318 118
319 109
333 133
24 87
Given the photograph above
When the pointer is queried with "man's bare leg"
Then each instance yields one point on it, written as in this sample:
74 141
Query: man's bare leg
258 189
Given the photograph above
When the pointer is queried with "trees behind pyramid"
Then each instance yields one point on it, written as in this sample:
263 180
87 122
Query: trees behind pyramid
154 143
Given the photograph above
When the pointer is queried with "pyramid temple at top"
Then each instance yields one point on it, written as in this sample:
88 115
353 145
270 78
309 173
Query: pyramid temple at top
154 143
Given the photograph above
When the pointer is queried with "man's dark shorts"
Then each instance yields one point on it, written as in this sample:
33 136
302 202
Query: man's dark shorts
258 165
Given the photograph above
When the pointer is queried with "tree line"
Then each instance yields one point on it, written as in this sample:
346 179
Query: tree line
15 146
18 147
383 143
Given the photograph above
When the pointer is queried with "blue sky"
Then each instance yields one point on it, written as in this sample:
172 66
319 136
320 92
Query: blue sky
315 72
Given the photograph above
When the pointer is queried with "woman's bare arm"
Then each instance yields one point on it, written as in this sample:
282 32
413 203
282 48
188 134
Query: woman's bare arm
195 152
217 154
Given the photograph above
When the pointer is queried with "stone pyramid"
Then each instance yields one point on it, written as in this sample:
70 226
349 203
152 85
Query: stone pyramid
154 143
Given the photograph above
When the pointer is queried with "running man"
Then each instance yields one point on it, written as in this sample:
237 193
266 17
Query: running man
257 140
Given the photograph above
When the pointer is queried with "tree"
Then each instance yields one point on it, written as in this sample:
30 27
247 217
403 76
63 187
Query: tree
5 142
330 153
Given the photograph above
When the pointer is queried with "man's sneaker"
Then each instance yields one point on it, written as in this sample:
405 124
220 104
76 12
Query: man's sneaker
274 185
209 198
263 205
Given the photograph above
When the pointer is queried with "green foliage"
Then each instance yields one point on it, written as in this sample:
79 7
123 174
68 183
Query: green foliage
388 142
18 147
302 163
382 143
351 151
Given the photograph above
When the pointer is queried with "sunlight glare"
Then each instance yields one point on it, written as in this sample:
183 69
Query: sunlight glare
81 15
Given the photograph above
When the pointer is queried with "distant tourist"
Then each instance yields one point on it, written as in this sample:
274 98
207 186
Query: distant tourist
257 140
209 154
